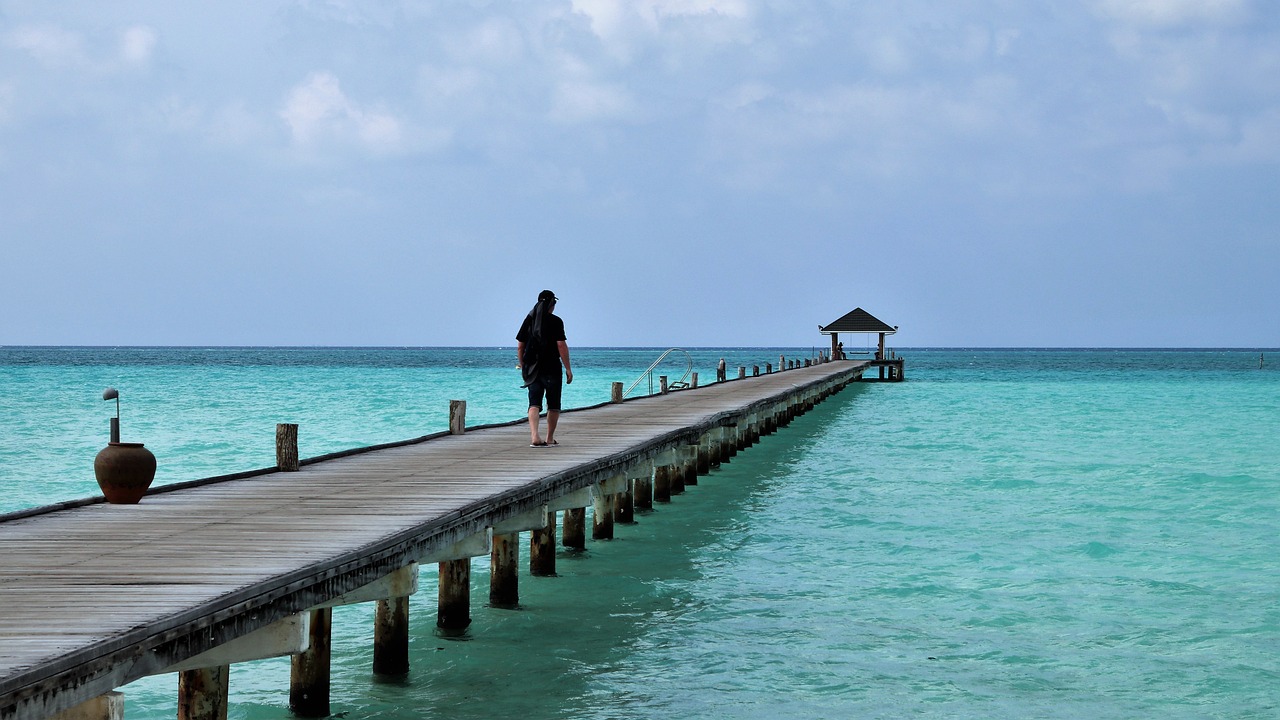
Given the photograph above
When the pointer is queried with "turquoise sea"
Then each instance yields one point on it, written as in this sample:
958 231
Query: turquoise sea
1008 534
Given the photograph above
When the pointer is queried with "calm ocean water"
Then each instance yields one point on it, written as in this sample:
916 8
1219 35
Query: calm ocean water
1009 534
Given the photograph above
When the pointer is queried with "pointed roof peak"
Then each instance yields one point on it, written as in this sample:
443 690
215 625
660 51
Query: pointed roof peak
858 321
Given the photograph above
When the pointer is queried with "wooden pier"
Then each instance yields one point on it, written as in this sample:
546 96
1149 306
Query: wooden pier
192 579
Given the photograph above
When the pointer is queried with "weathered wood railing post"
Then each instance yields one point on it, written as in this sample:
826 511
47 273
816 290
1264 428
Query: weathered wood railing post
542 548
457 417
755 371
391 636
662 384
504 560
453 611
309 677
615 393
742 371
287 447
202 693
693 380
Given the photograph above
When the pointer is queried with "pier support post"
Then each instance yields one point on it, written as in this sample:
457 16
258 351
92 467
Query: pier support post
504 559
601 516
689 466
742 371
662 384
542 549
454 600
391 637
642 489
287 447
108 706
615 393
693 378
624 506
457 417
575 528
309 679
704 454
202 693
662 483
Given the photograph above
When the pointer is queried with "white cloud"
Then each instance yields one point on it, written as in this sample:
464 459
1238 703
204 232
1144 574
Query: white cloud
578 101
49 44
1175 13
317 111
136 44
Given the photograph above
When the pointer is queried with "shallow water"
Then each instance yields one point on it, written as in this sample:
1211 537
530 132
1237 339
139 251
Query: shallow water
1007 534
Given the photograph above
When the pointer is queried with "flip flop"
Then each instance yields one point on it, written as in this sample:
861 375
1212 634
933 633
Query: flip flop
538 445
553 443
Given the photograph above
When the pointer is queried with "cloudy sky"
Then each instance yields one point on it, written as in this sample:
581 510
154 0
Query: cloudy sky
680 172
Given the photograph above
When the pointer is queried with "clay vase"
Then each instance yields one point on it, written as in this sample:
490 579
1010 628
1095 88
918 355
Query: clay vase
124 471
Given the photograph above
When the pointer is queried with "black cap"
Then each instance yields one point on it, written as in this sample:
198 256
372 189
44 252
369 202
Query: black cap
547 295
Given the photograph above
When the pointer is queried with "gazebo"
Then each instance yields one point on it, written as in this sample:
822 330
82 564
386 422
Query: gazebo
857 321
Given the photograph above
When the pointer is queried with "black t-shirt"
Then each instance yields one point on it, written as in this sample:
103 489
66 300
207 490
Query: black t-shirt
547 353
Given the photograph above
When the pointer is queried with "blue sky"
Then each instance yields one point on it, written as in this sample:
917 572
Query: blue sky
705 172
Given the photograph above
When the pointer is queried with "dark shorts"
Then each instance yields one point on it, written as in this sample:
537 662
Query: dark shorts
550 386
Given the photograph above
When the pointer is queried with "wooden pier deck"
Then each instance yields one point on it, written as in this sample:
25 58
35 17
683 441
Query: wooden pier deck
94 597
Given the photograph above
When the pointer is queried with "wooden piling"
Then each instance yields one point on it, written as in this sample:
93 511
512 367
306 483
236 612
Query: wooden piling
457 417
601 516
662 384
575 528
615 393
742 371
287 447
662 483
391 637
453 611
624 507
642 490
676 476
108 706
309 679
693 378
542 549
703 465
726 444
689 466
504 560
202 693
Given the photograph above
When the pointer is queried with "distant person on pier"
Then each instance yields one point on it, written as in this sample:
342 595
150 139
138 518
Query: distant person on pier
540 351
721 374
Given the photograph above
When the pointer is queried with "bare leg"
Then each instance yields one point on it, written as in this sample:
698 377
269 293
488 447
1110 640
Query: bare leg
533 425
553 417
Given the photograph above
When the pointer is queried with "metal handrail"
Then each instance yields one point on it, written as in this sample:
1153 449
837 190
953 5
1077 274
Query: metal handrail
681 383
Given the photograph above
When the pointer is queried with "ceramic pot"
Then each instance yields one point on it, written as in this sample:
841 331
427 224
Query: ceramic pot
124 471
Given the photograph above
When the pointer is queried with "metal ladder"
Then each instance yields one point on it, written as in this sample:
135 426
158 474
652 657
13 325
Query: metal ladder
682 383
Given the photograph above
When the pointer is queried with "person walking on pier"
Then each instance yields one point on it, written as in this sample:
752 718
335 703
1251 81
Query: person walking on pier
541 350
